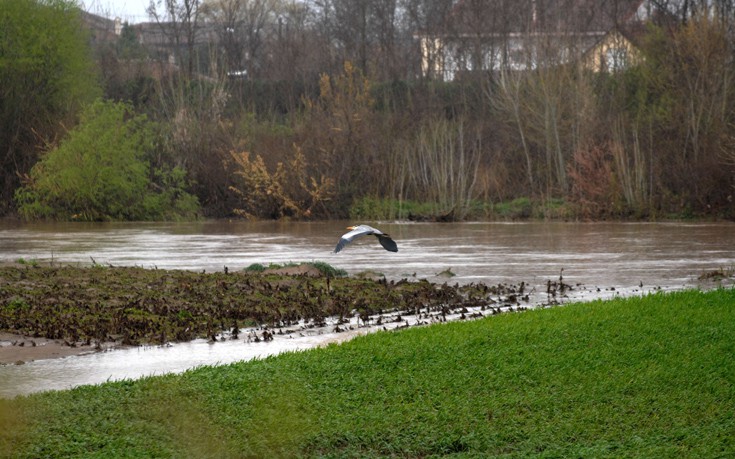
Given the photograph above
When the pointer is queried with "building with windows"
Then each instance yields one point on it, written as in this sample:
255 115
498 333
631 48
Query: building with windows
481 36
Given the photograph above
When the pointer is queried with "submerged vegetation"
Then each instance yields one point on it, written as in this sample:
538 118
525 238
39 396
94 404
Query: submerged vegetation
639 377
99 304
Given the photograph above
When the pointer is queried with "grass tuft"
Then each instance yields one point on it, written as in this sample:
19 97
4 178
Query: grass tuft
327 269
255 267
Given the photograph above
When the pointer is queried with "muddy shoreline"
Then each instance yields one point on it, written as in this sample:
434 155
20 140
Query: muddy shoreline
18 349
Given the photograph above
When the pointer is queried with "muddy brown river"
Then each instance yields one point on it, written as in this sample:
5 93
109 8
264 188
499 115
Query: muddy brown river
600 260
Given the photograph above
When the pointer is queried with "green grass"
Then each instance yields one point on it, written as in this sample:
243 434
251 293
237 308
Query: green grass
523 208
23 261
641 377
371 208
323 267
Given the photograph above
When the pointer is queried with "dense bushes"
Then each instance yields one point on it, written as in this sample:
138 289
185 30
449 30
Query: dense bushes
102 171
46 76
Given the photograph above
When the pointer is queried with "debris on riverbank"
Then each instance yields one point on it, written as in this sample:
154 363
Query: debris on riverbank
68 310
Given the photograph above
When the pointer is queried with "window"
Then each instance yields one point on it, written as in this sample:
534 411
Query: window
616 58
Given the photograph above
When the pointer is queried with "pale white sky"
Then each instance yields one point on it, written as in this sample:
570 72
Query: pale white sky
132 11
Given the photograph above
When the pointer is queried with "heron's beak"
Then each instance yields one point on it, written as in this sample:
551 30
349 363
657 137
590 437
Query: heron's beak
351 227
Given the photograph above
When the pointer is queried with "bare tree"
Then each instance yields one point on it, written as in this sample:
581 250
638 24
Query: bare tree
244 27
443 166
224 14
179 22
373 34
294 50
426 18
351 18
387 39
507 100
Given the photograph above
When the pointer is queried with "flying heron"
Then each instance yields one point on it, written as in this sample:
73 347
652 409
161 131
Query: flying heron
362 230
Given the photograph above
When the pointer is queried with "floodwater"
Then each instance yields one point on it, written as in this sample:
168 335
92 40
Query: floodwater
599 260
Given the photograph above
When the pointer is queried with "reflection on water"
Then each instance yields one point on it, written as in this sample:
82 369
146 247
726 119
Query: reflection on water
594 257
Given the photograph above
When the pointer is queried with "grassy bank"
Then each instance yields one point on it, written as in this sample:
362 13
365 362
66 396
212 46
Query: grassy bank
523 208
640 377
518 209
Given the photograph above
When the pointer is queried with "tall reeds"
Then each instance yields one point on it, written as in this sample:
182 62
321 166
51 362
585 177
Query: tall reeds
443 165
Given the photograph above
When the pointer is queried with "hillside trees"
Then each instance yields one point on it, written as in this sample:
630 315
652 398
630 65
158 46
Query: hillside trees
305 109
46 76
643 140
667 120
697 74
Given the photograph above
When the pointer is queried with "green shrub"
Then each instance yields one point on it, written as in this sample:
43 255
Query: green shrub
372 208
327 269
101 171
47 75
255 267
519 208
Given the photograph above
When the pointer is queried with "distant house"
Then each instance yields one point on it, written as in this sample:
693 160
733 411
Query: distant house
102 29
491 35
615 51
162 42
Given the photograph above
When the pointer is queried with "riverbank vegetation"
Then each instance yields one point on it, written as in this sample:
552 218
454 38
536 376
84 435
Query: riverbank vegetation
307 110
639 377
102 170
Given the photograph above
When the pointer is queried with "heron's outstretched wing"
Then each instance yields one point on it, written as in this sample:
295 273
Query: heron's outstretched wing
362 230
346 238
387 243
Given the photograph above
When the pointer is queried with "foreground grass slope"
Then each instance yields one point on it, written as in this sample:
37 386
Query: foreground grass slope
639 377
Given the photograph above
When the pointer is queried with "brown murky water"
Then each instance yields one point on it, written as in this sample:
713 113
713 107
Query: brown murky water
599 259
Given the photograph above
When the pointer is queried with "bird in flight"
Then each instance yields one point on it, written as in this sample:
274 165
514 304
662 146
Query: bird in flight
362 230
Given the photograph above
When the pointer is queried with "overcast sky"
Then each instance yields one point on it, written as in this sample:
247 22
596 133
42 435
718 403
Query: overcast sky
132 11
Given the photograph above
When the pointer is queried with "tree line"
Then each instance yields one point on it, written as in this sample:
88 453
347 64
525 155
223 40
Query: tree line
324 109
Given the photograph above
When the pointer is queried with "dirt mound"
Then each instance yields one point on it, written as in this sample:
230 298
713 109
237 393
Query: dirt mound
299 270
